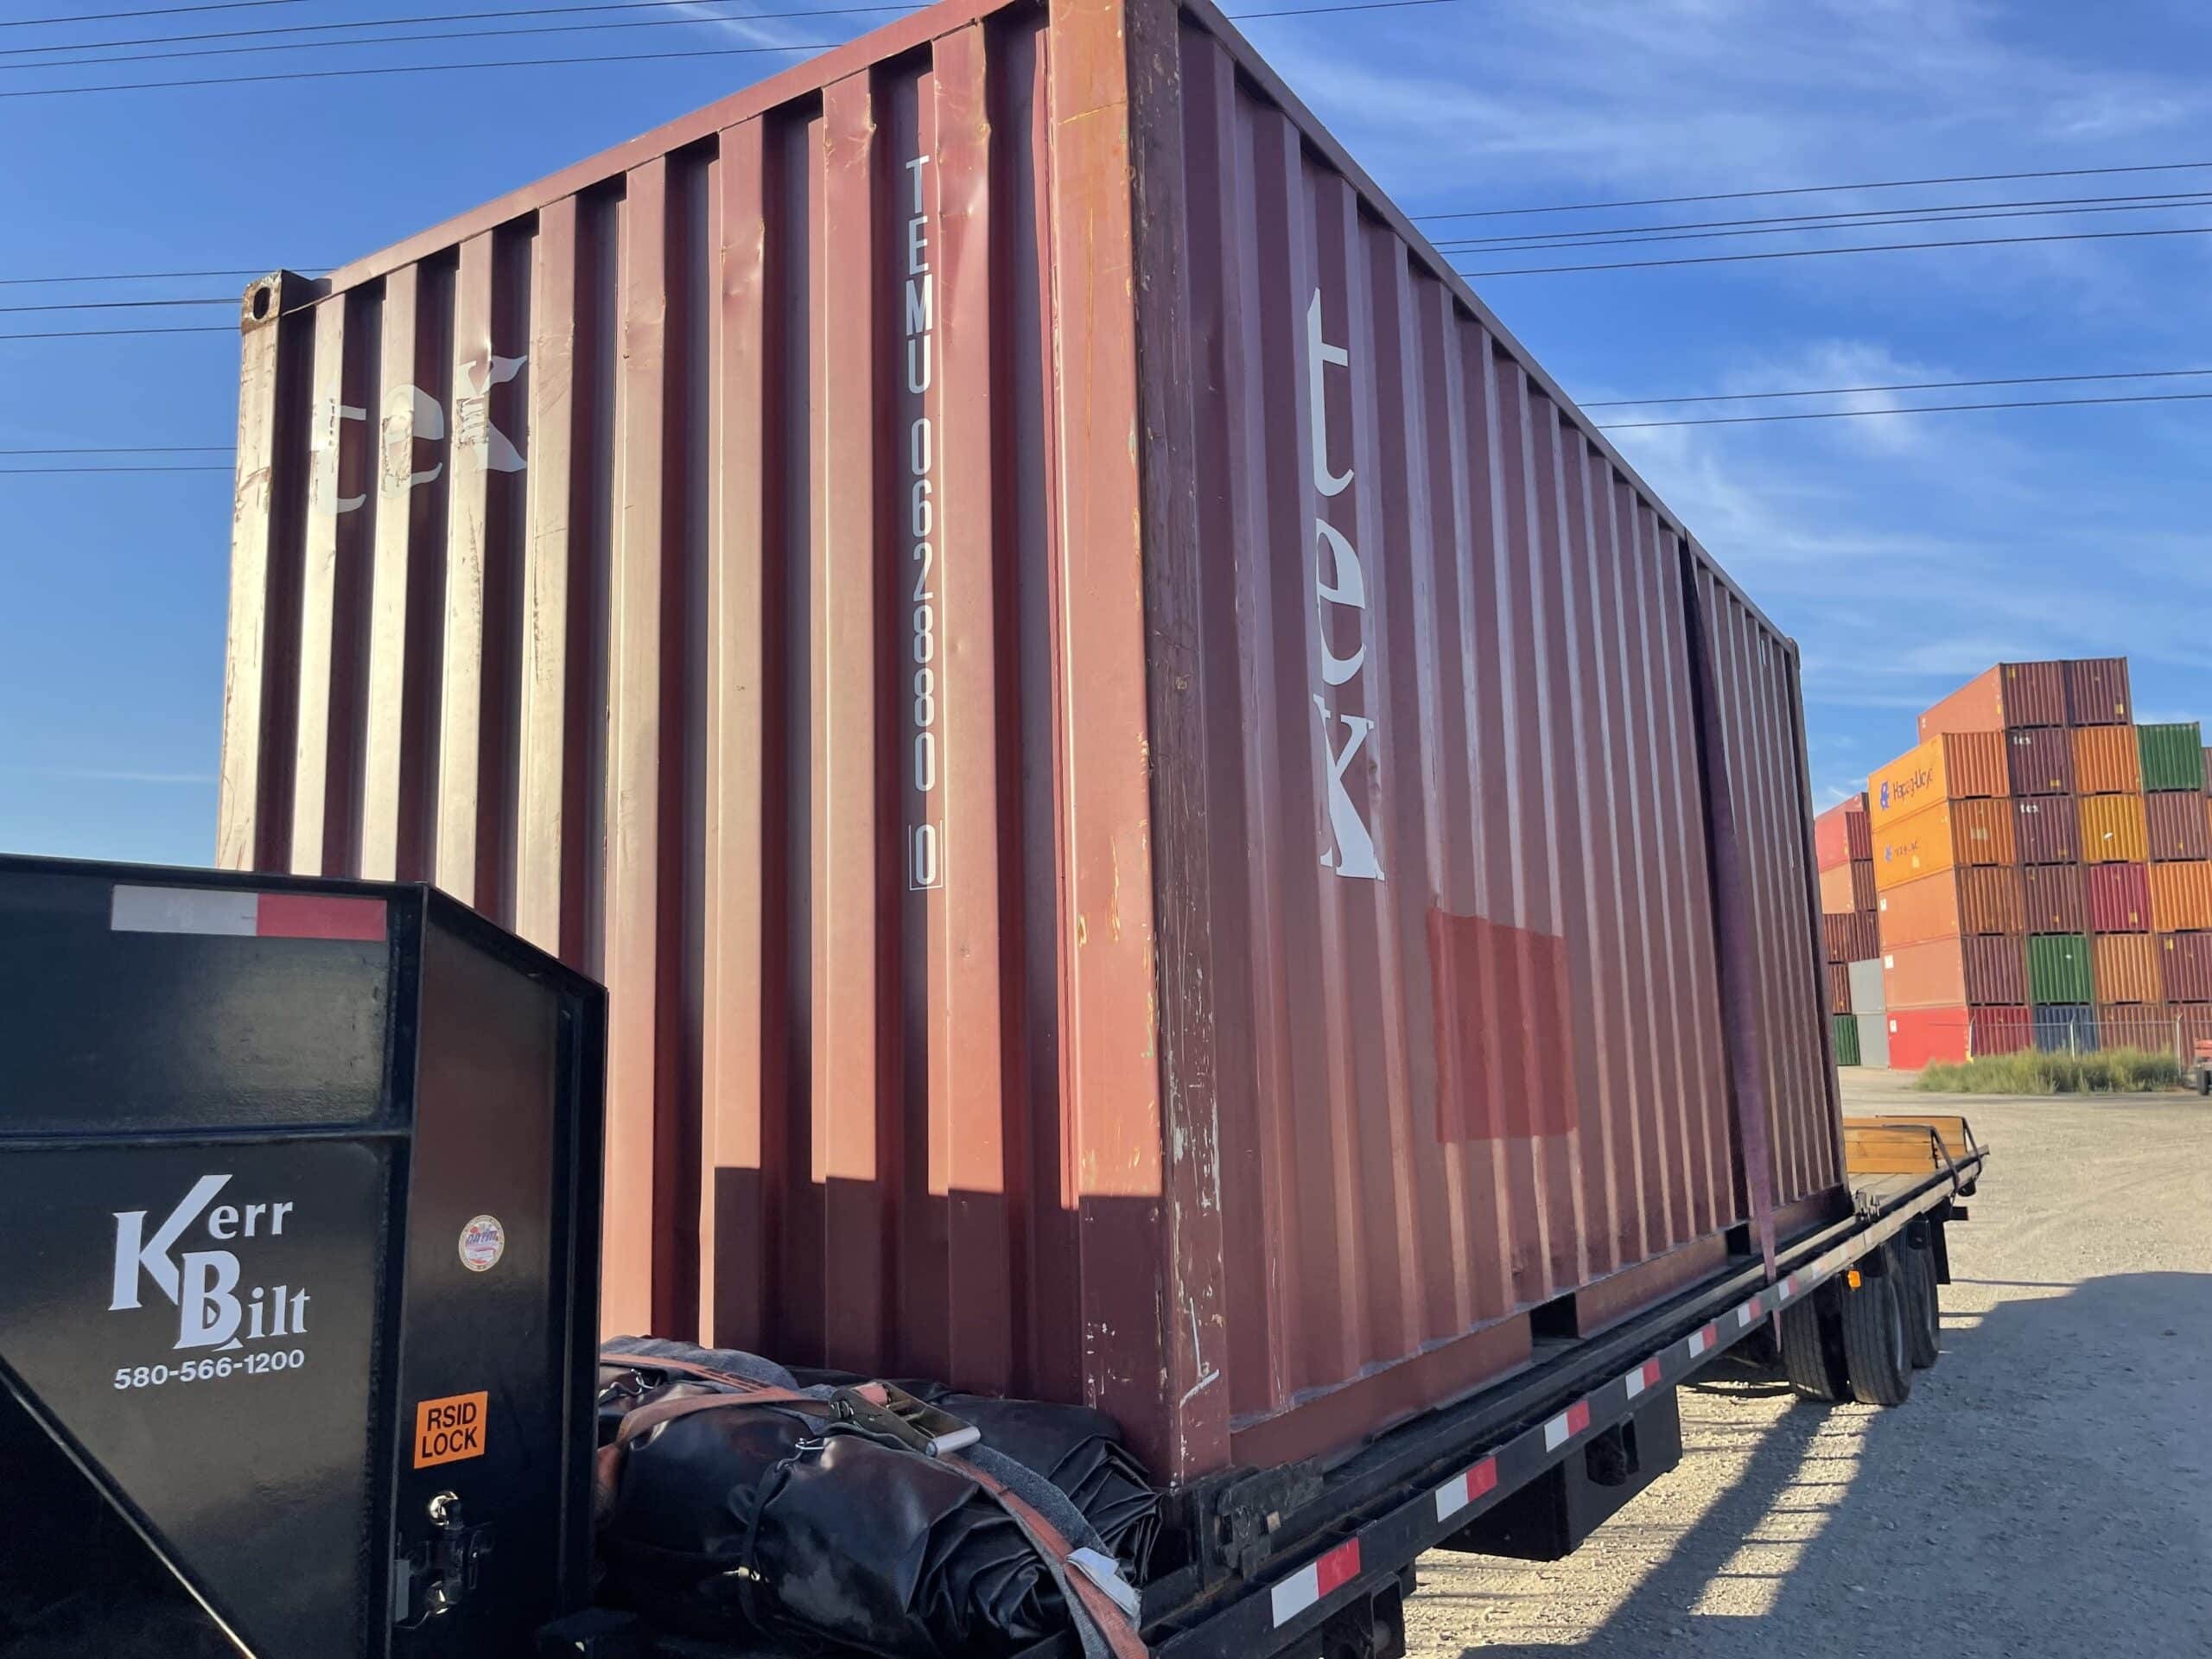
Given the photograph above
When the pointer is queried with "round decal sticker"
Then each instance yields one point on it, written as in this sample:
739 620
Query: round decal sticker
483 1241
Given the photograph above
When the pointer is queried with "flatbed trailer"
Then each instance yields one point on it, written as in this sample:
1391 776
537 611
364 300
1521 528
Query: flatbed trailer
1301 1563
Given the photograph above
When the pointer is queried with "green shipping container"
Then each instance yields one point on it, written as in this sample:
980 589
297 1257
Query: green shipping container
1846 1040
2058 969
2173 756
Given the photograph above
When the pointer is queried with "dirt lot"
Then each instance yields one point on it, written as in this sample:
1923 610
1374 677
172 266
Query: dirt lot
2047 1490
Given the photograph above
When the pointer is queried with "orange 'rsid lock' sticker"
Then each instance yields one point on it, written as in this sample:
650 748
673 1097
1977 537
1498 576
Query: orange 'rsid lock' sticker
447 1430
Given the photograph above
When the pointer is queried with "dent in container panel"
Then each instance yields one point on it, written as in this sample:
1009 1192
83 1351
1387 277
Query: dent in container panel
2050 829
2040 760
2097 691
656 705
2107 760
2179 827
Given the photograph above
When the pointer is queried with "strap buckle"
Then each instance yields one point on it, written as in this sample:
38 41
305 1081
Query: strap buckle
888 1413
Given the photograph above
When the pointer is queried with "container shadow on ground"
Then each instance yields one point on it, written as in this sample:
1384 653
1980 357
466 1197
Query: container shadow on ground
2042 1494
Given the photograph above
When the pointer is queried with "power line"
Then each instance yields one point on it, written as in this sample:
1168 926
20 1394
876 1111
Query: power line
111 305
147 276
597 58
436 17
1923 409
1819 253
29 472
137 449
473 35
1837 221
95 333
151 11
2196 200
1821 189
1903 385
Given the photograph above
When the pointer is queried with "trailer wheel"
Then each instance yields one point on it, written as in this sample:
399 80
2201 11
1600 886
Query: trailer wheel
1812 1354
1874 1344
1923 1313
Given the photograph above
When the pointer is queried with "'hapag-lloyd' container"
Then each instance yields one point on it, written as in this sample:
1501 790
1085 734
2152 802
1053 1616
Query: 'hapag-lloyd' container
1166 822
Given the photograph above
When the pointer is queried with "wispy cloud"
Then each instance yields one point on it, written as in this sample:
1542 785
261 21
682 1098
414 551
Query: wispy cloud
109 775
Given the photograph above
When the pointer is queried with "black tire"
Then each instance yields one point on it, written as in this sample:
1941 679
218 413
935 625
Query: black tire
2204 1082
1923 1313
1874 1345
1812 1354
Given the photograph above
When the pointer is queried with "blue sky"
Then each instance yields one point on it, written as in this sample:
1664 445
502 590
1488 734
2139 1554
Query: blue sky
1905 554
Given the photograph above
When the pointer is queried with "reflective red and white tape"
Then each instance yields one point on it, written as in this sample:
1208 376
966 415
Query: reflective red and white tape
1314 1581
230 914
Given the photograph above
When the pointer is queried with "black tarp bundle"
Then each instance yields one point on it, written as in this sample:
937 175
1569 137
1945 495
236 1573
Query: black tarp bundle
771 1522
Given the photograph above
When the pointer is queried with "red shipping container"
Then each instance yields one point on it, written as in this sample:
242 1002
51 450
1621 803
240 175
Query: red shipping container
2050 830
1978 971
2010 694
2155 1026
1850 939
1839 891
1924 1037
2055 898
946 581
2119 899
2127 967
1862 885
2040 759
1839 988
2180 827
2096 692
2186 966
1834 835
2001 1031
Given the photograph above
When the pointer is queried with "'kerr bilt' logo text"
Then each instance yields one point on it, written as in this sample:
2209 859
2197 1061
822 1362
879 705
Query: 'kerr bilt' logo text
202 1283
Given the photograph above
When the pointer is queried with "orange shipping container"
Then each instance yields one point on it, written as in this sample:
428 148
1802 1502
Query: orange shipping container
1949 833
1981 972
1971 899
1952 766
2127 967
2107 762
2114 830
1836 891
2181 898
2010 694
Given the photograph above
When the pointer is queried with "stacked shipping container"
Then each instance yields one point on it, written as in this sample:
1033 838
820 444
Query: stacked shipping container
1843 849
2076 913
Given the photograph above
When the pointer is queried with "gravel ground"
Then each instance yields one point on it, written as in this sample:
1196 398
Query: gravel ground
2046 1491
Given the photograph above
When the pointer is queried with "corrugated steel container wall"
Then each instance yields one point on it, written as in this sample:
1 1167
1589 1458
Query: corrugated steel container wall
1924 1037
2107 761
2150 1026
1969 900
2054 899
2179 827
2126 966
2062 1029
2186 967
1867 996
2119 900
2096 692
2181 898
1846 1040
1952 766
2059 968
2114 830
2040 760
1861 831
852 618
1996 968
2208 770
2000 1031
1851 937
2050 829
1863 889
1948 834
2172 757
1839 988
1831 833
2192 1025
2009 695
1977 972
1837 897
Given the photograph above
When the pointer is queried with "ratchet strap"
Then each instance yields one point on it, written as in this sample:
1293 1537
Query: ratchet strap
1085 1601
